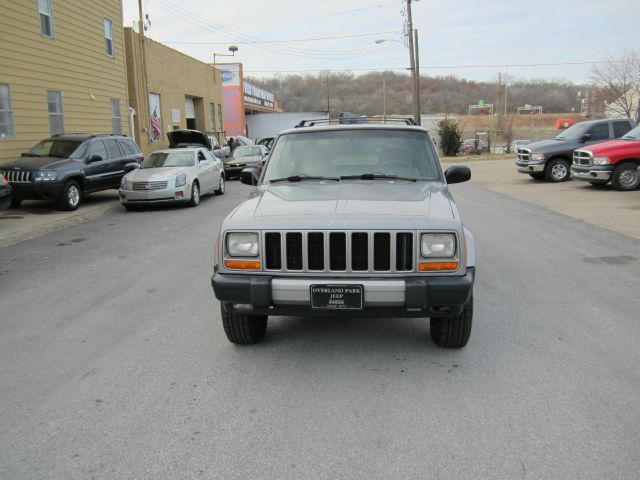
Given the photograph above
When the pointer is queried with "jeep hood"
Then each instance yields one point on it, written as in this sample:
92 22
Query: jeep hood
38 163
348 204
183 138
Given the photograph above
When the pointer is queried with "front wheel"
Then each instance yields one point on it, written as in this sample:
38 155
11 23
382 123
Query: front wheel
70 196
558 170
243 329
195 195
453 332
625 177
221 186
537 176
15 202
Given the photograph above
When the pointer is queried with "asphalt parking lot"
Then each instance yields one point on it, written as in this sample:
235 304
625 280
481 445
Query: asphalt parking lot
601 206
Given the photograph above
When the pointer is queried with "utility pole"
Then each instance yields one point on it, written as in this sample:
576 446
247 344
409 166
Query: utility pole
414 72
143 109
417 61
384 101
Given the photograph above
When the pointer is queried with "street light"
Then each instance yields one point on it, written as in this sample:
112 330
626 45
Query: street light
232 48
415 73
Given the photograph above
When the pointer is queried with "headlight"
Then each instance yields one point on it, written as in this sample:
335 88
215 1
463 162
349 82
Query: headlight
601 160
181 180
537 156
242 244
45 176
124 185
442 245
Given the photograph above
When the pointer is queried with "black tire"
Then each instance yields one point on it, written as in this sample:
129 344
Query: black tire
537 176
15 202
195 194
558 170
453 332
70 196
129 208
221 186
243 329
598 184
625 177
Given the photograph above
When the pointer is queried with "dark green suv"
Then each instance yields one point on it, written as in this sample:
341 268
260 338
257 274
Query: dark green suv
64 168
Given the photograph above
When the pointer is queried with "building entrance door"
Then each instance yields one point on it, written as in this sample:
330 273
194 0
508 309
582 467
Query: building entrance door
190 113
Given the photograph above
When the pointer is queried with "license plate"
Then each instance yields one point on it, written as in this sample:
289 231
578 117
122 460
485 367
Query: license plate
337 297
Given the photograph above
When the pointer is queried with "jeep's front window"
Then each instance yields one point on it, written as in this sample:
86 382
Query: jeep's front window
353 153
56 148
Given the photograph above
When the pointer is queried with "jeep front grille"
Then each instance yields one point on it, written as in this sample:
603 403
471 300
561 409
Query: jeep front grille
149 185
17 176
582 158
524 154
339 251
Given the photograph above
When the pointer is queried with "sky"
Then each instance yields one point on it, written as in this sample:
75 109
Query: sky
470 39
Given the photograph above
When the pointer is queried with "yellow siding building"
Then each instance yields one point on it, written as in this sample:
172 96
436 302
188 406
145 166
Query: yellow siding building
179 92
62 69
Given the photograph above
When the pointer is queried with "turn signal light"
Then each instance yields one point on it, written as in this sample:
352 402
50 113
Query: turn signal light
241 265
438 266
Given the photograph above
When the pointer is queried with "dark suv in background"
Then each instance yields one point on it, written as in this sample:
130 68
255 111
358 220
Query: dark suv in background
64 168
551 159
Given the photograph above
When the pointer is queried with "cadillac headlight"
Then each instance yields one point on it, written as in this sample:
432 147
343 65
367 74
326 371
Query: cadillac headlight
45 176
537 156
601 160
181 180
242 244
125 185
441 245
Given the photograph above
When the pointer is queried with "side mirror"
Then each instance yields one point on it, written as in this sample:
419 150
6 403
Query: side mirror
249 176
457 174
585 138
94 158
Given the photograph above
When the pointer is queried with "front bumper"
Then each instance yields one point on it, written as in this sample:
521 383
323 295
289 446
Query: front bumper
37 190
155 197
594 174
530 167
418 296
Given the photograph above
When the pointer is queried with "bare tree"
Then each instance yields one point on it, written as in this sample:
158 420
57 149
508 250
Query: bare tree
620 77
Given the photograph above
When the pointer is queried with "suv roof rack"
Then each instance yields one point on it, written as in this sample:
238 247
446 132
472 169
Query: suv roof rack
90 135
359 120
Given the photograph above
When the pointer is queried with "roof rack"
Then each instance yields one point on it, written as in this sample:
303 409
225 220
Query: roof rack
359 120
90 135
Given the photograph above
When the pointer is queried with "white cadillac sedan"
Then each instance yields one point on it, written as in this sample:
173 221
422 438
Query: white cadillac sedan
180 175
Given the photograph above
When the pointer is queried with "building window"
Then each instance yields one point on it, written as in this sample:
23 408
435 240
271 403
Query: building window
56 116
108 36
220 127
155 118
46 22
6 114
213 117
116 123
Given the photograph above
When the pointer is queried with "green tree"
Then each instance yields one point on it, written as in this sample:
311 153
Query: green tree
450 135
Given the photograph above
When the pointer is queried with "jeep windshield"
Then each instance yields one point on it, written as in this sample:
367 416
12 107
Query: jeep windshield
633 134
350 154
58 149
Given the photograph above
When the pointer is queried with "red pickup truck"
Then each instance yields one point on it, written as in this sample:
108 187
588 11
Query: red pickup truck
617 161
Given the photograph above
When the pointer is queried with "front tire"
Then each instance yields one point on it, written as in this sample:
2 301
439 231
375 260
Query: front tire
558 170
195 195
71 196
243 329
625 177
221 186
453 332
537 176
15 202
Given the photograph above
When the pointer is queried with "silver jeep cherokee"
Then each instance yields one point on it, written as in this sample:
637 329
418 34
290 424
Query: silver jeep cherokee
349 220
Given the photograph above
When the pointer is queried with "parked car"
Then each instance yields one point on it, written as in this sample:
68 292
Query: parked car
617 162
64 168
220 151
469 147
551 159
173 176
513 148
5 193
267 142
348 220
243 157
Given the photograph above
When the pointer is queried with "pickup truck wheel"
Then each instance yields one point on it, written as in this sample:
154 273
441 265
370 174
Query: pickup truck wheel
558 170
243 329
625 177
70 196
221 186
453 332
15 202
195 195
537 176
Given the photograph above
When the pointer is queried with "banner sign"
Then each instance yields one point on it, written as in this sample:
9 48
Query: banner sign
258 96
232 98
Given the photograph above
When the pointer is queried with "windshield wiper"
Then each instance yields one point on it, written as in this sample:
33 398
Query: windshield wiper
300 178
375 176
